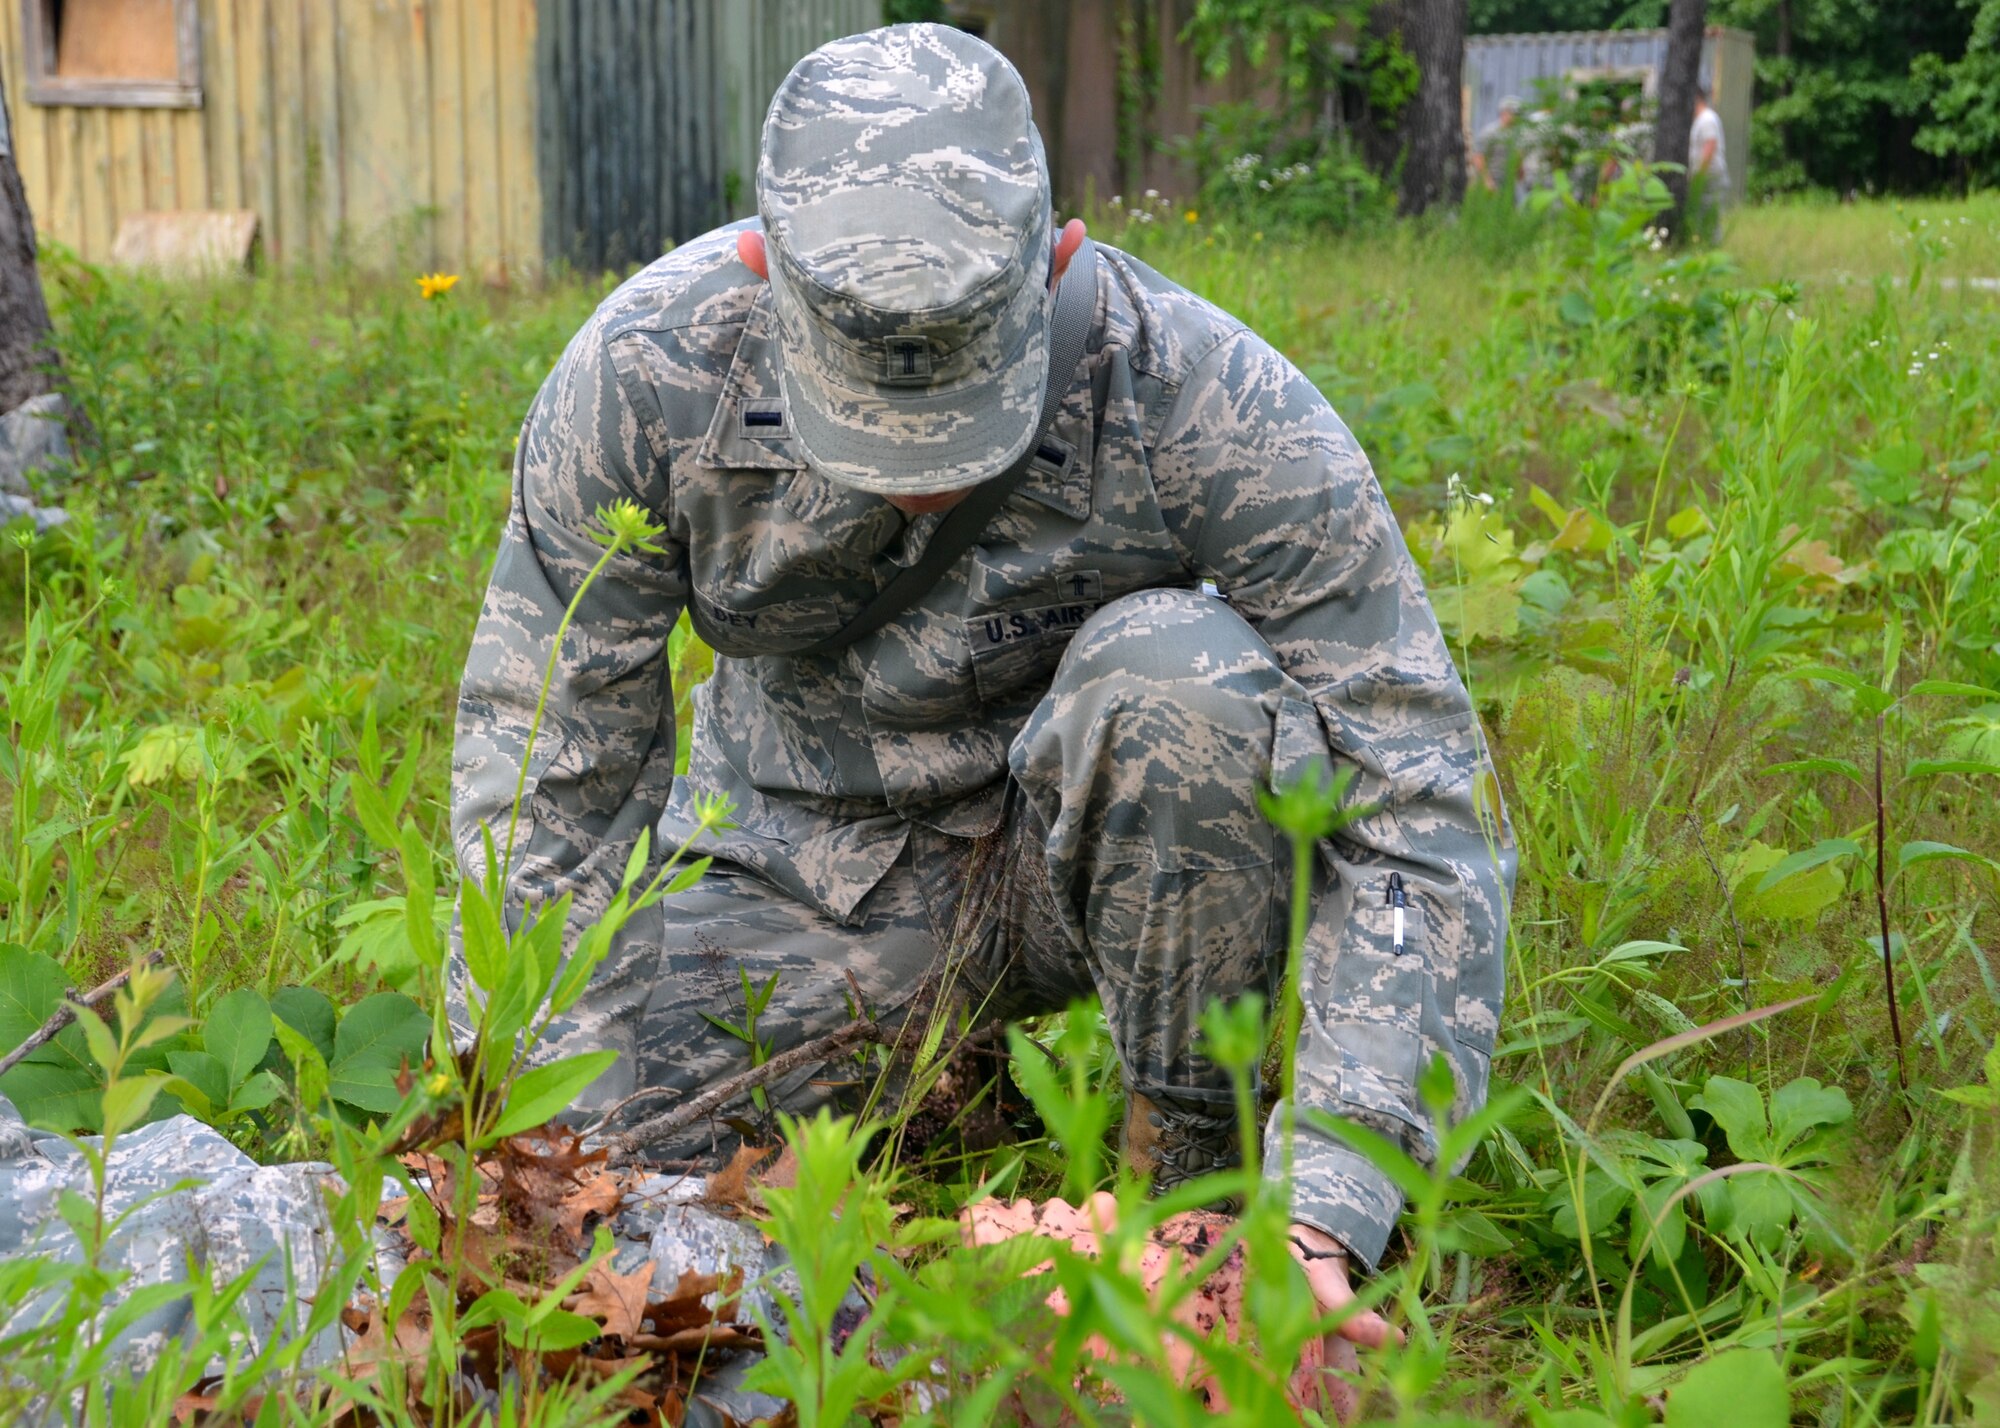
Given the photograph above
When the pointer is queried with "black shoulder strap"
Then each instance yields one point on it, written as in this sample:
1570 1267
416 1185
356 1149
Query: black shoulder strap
1069 330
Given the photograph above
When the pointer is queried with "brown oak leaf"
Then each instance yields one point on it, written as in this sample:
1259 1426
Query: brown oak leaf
731 1184
596 1197
686 1307
617 1301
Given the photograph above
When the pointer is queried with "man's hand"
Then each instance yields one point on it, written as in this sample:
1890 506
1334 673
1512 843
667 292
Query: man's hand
1328 1277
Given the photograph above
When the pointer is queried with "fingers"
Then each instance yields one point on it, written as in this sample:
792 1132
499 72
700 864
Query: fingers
1339 1399
1368 1330
1103 1208
1328 1278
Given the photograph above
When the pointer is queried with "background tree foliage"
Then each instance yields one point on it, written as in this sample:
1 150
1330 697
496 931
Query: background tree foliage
1862 96
1966 102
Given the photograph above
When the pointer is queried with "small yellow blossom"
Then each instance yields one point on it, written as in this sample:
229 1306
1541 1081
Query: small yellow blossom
1191 215
435 285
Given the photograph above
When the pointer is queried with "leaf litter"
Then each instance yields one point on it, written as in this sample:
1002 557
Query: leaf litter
542 1197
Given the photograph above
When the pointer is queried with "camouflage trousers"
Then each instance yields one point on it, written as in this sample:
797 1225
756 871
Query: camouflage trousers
1132 862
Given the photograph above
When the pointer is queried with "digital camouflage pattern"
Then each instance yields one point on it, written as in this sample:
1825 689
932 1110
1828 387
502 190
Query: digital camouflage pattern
887 328
1063 706
183 1201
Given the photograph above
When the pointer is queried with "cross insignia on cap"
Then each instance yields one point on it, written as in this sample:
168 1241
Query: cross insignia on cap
907 360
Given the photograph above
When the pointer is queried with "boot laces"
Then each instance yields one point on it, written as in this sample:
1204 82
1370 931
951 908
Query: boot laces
1192 1142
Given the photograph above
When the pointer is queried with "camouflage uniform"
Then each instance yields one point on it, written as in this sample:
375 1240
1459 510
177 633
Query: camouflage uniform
1049 764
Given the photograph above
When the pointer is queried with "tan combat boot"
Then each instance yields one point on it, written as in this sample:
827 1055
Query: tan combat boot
1172 1139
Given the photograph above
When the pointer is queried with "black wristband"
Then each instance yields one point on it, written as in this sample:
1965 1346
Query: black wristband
1308 1252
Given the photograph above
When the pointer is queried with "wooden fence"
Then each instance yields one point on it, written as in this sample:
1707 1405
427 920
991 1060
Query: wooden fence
483 136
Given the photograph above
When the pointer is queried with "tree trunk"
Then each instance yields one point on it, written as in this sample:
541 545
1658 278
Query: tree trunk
1055 26
1433 122
1679 77
26 356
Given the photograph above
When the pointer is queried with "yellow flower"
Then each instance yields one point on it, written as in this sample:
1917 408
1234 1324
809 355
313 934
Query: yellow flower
435 285
1191 215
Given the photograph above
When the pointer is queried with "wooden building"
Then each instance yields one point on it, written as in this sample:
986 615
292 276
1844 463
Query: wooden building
1499 67
1112 85
489 137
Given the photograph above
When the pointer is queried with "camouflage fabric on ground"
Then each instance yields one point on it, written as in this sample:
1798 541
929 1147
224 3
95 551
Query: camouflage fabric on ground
32 439
192 1204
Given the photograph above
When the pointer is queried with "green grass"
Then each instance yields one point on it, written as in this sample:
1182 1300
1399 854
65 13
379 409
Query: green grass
1741 541
1819 239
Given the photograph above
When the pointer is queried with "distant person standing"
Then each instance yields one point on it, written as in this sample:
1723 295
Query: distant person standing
1708 165
1495 157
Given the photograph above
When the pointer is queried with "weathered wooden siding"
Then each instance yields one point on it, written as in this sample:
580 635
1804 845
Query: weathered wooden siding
652 111
627 133
1069 54
759 43
401 132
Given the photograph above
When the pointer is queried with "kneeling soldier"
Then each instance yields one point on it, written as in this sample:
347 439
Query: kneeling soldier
944 488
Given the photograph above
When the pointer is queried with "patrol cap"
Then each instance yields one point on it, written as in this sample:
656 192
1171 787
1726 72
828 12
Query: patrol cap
906 212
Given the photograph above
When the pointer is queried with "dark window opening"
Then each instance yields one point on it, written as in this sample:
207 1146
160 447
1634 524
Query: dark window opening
113 52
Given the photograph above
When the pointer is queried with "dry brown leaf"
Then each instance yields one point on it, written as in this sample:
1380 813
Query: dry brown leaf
596 1197
784 1171
190 1407
708 1336
686 1306
617 1301
194 1408
674 1406
408 1344
537 1173
642 1407
608 1363
731 1184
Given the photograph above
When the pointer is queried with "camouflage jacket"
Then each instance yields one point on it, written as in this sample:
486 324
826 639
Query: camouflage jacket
1190 451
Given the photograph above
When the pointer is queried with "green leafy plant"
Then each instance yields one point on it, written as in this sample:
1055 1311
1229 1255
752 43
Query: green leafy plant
1792 1132
1878 702
223 1079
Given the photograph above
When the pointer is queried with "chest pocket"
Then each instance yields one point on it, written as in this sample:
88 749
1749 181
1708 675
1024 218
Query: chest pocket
790 561
1019 644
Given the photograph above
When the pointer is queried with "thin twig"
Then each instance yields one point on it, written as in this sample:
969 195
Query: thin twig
1882 908
618 1108
66 1013
650 1132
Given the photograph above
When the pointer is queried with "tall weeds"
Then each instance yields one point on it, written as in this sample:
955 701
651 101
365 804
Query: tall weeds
1728 613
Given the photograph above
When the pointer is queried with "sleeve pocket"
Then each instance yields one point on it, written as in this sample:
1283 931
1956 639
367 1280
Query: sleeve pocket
1371 1001
1367 1085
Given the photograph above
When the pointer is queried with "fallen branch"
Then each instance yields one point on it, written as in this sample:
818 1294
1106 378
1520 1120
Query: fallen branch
651 1132
66 1013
